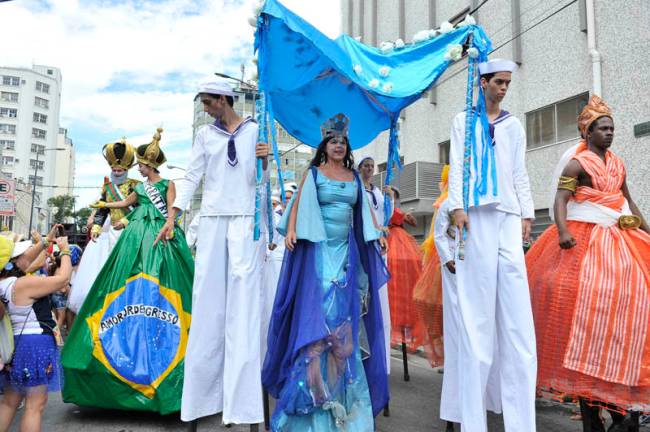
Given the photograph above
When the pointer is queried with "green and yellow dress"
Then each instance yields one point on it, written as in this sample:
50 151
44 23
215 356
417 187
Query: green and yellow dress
127 345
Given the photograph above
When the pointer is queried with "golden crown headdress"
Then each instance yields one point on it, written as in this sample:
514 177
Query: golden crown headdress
119 154
336 126
151 154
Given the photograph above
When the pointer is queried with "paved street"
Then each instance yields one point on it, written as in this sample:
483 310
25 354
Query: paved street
414 407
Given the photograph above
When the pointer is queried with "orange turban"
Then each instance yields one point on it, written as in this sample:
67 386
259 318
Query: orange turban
595 109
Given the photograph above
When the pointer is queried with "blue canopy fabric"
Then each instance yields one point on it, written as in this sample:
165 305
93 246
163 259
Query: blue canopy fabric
308 78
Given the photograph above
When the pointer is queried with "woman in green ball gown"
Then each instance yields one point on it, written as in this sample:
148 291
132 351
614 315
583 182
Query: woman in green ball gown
127 346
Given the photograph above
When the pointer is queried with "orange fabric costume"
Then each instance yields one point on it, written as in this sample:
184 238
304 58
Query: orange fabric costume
591 303
427 294
405 267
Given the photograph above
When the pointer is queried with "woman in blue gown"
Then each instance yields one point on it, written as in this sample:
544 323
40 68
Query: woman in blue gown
326 362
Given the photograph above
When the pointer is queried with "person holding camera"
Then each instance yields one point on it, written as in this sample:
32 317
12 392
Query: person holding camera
33 370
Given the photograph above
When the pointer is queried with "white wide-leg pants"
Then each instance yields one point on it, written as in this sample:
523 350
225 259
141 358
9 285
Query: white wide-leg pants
385 316
493 294
450 397
223 362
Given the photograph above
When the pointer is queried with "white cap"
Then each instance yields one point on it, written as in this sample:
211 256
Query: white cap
363 158
217 88
276 198
20 248
497 65
291 186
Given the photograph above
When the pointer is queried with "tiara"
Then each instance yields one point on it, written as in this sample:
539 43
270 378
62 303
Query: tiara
336 126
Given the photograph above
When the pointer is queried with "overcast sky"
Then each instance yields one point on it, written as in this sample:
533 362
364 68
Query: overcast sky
130 66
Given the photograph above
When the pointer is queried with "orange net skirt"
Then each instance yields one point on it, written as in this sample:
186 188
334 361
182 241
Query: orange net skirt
405 266
427 296
553 276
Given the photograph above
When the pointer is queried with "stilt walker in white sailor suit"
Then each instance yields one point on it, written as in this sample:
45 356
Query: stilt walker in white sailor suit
445 241
223 360
492 284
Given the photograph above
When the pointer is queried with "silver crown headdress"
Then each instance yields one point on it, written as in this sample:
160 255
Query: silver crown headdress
336 126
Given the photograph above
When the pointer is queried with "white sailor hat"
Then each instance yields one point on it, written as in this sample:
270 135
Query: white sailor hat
291 186
217 88
363 158
497 65
276 198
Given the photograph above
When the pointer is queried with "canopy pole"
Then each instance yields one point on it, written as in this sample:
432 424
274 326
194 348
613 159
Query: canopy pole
467 156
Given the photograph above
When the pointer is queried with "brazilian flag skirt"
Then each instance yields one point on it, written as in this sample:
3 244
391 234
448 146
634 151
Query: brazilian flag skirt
127 346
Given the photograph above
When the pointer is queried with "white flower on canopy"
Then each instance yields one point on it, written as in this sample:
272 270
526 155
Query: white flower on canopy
446 27
386 47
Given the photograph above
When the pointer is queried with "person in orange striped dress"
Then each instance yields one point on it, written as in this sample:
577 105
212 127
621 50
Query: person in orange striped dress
589 277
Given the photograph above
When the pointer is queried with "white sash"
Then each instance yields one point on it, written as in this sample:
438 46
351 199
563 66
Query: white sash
156 198
598 214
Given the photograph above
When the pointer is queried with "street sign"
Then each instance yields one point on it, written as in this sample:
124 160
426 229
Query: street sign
7 197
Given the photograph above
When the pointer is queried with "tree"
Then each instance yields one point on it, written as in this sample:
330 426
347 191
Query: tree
81 217
64 205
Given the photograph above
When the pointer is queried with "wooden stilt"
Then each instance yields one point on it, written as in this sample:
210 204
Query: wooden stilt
387 411
267 411
405 356
255 427
193 425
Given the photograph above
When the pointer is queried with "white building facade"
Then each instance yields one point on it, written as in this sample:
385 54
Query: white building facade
549 40
64 171
30 102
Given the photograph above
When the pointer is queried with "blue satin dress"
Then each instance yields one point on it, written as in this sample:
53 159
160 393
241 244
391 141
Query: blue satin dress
328 388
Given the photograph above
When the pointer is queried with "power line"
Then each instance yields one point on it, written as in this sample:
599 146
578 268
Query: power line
526 12
510 40
535 25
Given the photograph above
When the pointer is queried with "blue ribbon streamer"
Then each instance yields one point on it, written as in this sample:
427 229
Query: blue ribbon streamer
392 161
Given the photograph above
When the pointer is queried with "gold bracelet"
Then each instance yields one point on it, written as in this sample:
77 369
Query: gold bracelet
567 183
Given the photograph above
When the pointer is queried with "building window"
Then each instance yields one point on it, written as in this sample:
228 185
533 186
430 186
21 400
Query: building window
7 161
40 118
554 123
38 133
9 97
8 112
42 87
7 144
10 81
443 152
382 166
7 129
39 181
40 102
6 175
38 148
34 162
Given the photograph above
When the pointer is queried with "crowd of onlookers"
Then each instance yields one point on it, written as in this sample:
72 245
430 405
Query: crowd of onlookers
35 280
